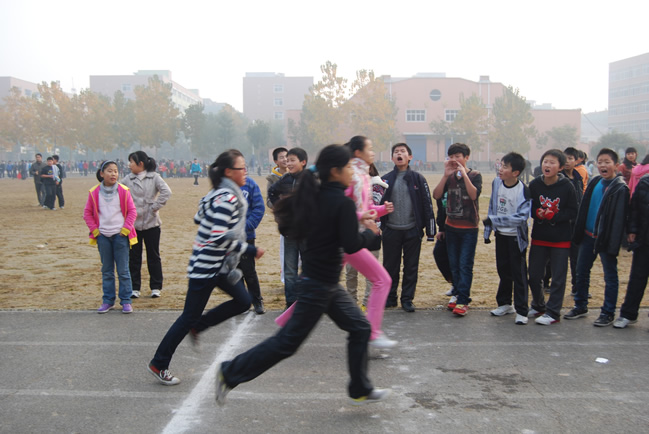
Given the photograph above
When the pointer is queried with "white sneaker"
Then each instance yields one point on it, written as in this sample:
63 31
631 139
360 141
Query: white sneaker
155 293
505 309
382 342
533 313
450 291
376 395
622 322
136 294
545 319
521 320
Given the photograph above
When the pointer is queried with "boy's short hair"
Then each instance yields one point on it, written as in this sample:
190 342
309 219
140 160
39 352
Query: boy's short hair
556 153
582 154
458 148
573 152
516 161
278 151
609 152
38 154
401 144
56 158
50 159
299 153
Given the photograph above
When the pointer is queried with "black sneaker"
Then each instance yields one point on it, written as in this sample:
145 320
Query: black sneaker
391 303
259 307
604 320
575 313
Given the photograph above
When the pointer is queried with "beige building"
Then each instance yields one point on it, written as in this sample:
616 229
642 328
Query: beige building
109 84
27 88
268 96
628 96
429 97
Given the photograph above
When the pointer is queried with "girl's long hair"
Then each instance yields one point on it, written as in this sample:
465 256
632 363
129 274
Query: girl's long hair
141 157
224 161
295 213
356 143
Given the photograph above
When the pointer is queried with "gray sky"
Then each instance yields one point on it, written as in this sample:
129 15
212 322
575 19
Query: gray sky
553 51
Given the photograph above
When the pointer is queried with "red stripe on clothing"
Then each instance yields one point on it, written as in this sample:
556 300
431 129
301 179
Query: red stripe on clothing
559 245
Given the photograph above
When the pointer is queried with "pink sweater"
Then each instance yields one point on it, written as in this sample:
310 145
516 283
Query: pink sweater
91 213
360 190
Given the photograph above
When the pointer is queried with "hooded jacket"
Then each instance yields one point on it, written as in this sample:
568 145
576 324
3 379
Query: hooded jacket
420 196
91 213
611 216
149 195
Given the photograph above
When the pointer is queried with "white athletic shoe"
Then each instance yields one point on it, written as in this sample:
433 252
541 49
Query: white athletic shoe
376 395
521 320
155 293
505 309
546 320
136 294
382 342
450 291
622 322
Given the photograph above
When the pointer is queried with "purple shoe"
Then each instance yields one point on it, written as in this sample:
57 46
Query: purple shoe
105 307
127 308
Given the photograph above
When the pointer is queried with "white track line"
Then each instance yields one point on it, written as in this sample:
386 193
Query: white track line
188 413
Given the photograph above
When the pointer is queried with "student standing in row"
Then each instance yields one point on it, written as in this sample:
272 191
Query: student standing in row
509 211
150 193
404 228
599 230
321 215
276 173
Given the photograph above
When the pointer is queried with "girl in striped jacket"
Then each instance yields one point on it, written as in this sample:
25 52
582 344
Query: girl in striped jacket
220 241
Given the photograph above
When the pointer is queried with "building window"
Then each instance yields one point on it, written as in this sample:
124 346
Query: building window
450 115
126 87
278 102
279 116
415 115
28 92
278 88
435 94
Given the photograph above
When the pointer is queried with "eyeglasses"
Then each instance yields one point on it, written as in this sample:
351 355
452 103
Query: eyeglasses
239 168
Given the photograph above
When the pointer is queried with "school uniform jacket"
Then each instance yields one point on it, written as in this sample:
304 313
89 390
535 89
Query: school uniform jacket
518 220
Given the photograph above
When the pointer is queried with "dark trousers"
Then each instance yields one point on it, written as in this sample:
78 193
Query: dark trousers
585 262
198 294
247 267
512 270
395 244
151 239
50 195
195 179
461 245
637 283
558 258
40 193
59 194
441 259
315 299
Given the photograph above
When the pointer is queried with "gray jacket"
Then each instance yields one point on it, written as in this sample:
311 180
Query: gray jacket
149 195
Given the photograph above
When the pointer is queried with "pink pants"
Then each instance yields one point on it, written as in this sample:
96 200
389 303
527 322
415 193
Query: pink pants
370 267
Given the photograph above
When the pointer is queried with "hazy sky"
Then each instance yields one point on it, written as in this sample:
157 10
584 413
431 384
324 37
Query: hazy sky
553 51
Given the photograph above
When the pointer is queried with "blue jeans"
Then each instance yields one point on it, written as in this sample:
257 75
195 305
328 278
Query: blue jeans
198 294
585 262
461 253
316 298
114 251
292 251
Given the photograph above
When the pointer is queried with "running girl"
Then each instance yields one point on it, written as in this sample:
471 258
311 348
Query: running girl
110 214
321 215
150 193
221 236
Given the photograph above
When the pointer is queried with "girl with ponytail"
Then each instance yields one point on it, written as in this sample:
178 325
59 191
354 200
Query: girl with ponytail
150 193
319 213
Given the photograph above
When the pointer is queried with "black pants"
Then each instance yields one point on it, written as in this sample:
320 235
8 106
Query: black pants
247 267
40 193
315 299
558 257
150 238
512 270
637 283
50 195
441 259
396 243
59 194
195 179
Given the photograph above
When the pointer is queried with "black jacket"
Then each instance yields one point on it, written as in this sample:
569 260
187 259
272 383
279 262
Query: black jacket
611 216
639 212
422 203
284 186
560 199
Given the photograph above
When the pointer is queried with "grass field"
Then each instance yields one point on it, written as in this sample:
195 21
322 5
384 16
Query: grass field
46 262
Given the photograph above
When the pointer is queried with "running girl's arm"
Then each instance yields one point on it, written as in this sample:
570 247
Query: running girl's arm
352 240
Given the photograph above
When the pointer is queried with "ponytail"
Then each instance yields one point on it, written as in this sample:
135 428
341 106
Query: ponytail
295 213
224 161
141 157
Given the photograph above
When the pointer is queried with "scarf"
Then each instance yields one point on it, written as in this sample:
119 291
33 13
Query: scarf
108 193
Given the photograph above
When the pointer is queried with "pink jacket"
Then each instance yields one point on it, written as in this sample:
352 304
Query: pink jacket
91 213
360 190
636 173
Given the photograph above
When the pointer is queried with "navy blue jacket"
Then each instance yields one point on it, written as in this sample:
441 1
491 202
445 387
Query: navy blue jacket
256 207
420 196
